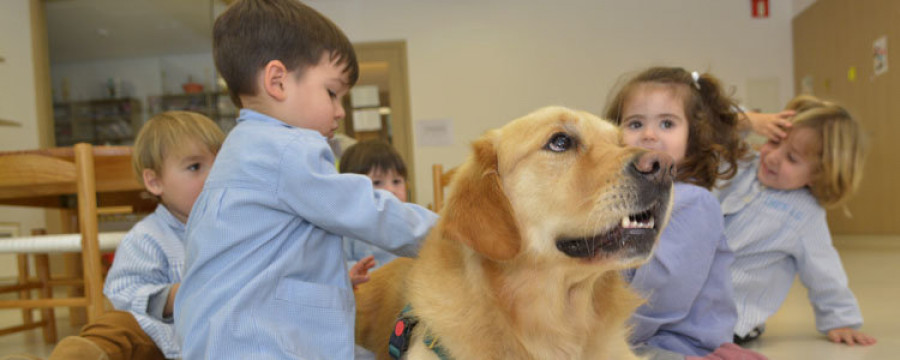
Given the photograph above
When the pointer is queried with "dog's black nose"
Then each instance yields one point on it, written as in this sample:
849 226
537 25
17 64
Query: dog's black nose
654 166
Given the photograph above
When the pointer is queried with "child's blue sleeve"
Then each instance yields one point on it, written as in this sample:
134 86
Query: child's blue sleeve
139 273
347 204
690 307
820 269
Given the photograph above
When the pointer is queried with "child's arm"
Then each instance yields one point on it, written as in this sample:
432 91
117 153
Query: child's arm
690 307
821 271
139 277
347 204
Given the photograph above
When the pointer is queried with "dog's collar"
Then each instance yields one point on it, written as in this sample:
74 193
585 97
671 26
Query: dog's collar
399 341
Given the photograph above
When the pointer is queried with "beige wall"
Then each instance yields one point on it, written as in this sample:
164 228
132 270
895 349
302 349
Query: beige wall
482 63
17 92
17 102
800 5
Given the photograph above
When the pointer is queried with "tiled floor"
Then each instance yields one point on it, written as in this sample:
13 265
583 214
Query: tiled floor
873 268
31 342
874 273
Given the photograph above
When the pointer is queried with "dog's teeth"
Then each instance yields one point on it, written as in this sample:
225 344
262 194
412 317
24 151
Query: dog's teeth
638 223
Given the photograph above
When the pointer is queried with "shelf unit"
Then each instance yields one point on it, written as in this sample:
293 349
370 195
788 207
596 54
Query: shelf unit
99 122
217 106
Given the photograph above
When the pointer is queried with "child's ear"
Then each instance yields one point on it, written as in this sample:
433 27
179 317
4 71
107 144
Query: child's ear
274 76
152 182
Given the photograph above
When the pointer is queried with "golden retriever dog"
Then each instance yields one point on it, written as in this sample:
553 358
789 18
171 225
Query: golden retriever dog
524 261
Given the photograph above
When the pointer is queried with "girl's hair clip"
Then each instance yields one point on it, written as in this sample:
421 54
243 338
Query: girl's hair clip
696 76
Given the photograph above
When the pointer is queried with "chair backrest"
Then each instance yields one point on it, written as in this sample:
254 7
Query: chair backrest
440 180
27 175
43 173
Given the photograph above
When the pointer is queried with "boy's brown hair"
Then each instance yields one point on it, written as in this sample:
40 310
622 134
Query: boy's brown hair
843 146
712 122
365 156
251 33
166 133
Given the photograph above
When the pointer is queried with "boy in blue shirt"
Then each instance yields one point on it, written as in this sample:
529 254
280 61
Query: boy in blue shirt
775 218
265 276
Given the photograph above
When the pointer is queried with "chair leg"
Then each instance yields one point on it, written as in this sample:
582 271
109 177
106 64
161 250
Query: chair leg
93 288
42 264
73 268
22 263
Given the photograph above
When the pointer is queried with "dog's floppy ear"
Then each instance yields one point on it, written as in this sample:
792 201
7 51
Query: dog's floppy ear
478 212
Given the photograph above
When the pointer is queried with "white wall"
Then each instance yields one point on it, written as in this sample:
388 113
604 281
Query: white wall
482 63
17 103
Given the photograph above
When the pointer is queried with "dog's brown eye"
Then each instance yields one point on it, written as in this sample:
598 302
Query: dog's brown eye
560 142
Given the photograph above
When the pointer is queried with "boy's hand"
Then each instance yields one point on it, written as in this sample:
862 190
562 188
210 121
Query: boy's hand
170 300
772 126
359 273
850 337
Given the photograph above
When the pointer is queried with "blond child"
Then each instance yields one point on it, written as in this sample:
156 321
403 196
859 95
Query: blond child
775 219
172 156
266 276
689 309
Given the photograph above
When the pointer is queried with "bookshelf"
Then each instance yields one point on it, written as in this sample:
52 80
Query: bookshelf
217 106
99 122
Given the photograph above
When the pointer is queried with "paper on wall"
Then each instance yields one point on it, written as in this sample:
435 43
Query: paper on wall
880 55
806 85
437 132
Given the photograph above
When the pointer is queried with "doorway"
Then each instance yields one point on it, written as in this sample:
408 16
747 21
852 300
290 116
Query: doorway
378 106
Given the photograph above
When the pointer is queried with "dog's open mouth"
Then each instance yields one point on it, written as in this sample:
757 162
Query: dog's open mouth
634 235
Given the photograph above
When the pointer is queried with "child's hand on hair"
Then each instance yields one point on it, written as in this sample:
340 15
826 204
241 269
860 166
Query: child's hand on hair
730 351
850 337
359 272
771 125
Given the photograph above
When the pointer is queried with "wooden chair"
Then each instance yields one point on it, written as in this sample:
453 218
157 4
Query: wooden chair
25 284
38 175
440 180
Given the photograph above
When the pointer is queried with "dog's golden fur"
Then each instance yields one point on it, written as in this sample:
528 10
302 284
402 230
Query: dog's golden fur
489 282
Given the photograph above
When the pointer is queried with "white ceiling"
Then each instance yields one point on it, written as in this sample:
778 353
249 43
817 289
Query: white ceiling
88 30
